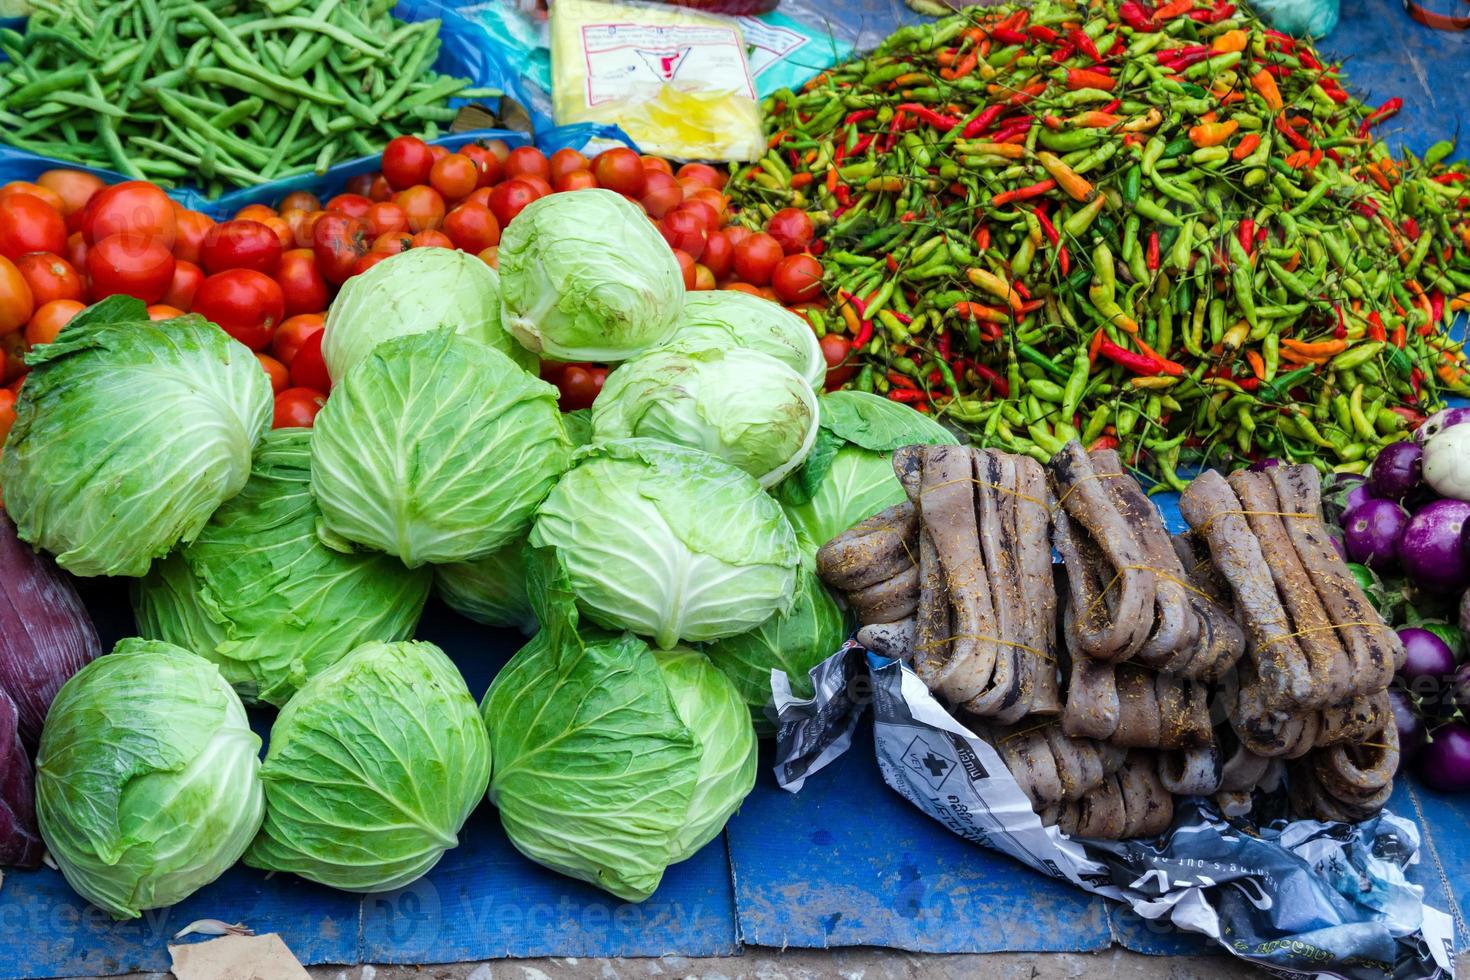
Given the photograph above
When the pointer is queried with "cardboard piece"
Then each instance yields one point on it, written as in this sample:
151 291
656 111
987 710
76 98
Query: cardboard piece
237 958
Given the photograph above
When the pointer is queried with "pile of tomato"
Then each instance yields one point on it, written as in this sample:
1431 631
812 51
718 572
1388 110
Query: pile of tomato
267 275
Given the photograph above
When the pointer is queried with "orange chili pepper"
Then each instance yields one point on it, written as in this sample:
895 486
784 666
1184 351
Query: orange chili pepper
831 180
1074 184
1318 348
947 57
801 180
1246 146
1212 134
1094 347
1265 85
1257 363
1078 78
1298 159
1234 40
1295 260
966 65
1171 10
1095 120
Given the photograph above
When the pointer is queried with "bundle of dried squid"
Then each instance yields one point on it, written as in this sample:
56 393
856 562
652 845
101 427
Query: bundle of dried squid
1347 782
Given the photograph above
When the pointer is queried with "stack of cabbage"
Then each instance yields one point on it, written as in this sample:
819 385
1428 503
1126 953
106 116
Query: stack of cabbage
290 568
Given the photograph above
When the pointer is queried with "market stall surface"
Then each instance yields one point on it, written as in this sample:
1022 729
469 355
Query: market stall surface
845 863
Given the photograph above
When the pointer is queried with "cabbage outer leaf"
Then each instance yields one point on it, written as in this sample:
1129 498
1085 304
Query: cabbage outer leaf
147 778
728 318
489 590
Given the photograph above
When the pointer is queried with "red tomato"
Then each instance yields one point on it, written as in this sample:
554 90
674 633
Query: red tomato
181 289
620 170
472 227
74 187
296 408
510 198
302 287
684 231
285 234
13 350
299 201
713 198
50 277
76 251
45 195
246 304
254 212
702 173
29 224
481 195
756 258
385 217
835 349
276 371
437 153
792 227
563 162
719 254
302 222
656 165
527 161
16 302
491 256
454 176
703 278
7 411
736 234
661 194
500 148
293 333
380 189
135 207
797 279
431 238
424 207
352 205
162 311
130 264
392 243
743 287
356 184
48 320
191 228
308 370
487 163
708 216
240 244
686 267
576 180
580 384
338 241
368 261
406 162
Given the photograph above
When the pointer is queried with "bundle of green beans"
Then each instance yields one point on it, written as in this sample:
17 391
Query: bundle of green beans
220 93
1164 228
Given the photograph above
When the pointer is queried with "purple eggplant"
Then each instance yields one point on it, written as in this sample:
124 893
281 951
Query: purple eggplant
1262 465
1432 551
20 839
1372 531
1425 655
1397 470
45 632
1445 762
1445 418
1342 493
1409 724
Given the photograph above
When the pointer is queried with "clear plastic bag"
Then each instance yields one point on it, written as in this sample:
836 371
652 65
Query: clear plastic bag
1299 18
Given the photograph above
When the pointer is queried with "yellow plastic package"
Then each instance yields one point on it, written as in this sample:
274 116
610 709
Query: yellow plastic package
676 81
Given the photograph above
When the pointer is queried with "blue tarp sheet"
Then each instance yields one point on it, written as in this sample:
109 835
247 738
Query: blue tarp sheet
845 862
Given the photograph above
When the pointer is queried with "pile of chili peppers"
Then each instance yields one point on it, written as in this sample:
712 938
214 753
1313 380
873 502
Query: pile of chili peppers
1167 229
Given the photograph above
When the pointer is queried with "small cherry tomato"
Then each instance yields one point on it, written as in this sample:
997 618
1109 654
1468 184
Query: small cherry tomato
527 161
472 227
48 320
432 238
538 184
302 224
50 277
29 224
579 385
711 197
756 258
702 173
707 215
303 289
185 282
301 201
283 231
620 169
352 205
133 207
550 371
454 177
835 349
130 264
368 261
245 304
255 212
385 217
797 278
486 163
392 243
563 162
191 228
76 251
575 180
792 227
293 333
45 195
162 311
380 190
424 207
684 231
655 164
406 162
74 187
357 184
719 255
511 198
296 408
16 302
338 241
686 267
308 369
240 244
13 350
276 371
703 278
661 194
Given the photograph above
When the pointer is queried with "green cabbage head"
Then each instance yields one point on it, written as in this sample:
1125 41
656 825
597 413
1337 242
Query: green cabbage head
794 642
613 761
260 595
669 542
128 434
147 778
585 276
435 448
372 770
740 405
729 318
489 590
848 476
413 292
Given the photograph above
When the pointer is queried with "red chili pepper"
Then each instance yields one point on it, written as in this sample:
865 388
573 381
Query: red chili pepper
1127 359
1308 60
1376 329
997 384
864 334
1436 306
1340 331
1103 442
1450 178
1334 156
1031 305
1399 336
1249 383
943 345
1111 107
1334 93
982 237
1378 115
1217 13
981 122
1064 260
1022 193
1247 234
1026 94
1416 378
1064 51
1411 228
1006 36
1021 290
1047 228
1042 33
1084 43
817 247
861 146
1296 139
1151 255
1284 42
843 193
906 395
1133 14
902 381
925 114
860 115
